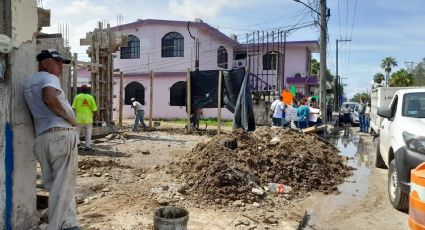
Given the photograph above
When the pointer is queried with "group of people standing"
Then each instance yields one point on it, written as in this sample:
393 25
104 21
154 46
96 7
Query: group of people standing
307 112
364 116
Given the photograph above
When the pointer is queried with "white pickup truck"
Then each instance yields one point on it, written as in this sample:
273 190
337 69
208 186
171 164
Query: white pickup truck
401 142
380 97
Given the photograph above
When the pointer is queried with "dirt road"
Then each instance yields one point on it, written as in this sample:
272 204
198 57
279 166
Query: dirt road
127 178
363 202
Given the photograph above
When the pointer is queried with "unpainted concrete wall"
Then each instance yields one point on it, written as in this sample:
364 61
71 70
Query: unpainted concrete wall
3 119
262 112
14 114
24 20
24 194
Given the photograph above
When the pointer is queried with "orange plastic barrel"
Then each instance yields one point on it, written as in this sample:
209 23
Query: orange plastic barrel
417 198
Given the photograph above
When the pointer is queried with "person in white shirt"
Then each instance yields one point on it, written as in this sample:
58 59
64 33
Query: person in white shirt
139 113
346 114
277 109
367 118
55 138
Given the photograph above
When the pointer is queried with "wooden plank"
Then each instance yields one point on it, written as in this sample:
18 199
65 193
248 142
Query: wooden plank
220 77
121 99
314 129
74 76
151 100
188 102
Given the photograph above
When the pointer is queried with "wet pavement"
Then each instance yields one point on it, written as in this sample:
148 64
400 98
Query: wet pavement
362 202
355 149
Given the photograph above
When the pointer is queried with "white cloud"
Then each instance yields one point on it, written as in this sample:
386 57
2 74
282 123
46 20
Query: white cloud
81 8
207 9
75 33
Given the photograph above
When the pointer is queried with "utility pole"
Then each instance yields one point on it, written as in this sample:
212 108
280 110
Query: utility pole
323 41
337 80
285 34
409 65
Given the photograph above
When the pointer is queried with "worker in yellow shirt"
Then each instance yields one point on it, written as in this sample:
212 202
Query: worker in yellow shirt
84 106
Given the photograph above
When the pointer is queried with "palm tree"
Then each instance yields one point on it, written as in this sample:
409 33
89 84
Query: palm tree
387 64
378 78
401 78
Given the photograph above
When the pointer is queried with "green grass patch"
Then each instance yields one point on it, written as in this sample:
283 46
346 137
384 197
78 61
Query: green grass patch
209 121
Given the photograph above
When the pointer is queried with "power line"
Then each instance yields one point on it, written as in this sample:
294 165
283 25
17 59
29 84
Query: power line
351 34
249 27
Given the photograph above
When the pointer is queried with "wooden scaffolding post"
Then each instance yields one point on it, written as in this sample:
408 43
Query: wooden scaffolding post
220 77
188 96
96 78
121 100
109 86
151 100
74 77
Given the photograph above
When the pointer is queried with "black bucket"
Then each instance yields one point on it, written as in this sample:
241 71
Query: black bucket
170 218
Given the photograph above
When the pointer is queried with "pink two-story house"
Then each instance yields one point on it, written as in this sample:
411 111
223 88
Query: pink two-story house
170 48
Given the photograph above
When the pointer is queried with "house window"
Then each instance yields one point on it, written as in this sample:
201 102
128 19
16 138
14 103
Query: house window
172 45
132 51
134 90
222 57
269 61
178 94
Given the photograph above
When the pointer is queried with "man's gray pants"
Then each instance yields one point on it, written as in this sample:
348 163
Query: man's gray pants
57 153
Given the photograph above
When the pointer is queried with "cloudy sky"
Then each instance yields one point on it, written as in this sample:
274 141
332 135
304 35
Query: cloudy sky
377 28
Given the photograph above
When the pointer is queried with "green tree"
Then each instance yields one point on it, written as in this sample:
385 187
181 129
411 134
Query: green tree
361 97
378 78
401 78
419 74
387 64
315 67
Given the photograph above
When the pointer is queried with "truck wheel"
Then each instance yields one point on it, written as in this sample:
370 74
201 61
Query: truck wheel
379 162
399 200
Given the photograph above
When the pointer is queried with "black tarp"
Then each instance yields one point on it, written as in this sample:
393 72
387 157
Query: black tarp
232 82
244 110
236 95
204 89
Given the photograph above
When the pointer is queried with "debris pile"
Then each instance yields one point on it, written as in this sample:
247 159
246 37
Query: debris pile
87 164
231 166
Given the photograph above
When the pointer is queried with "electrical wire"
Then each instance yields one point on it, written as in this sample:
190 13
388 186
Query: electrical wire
351 34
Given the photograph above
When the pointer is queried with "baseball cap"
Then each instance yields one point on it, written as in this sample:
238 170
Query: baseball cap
52 53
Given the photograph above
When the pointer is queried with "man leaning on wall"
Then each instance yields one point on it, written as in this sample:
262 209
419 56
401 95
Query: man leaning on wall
56 139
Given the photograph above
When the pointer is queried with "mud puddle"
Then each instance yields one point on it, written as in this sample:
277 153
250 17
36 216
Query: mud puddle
356 149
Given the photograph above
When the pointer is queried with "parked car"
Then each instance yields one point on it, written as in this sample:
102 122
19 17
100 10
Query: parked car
354 117
401 142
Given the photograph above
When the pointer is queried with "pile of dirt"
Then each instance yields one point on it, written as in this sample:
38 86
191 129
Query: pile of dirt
86 164
228 167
